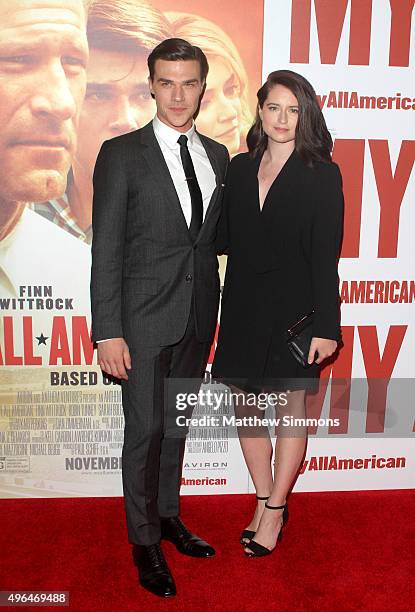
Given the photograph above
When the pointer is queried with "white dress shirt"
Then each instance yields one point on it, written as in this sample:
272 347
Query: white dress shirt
167 138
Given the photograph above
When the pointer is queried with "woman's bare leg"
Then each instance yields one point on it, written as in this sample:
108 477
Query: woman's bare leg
257 450
289 451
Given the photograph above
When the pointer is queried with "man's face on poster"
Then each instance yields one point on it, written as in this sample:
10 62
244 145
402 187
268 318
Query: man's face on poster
117 101
43 57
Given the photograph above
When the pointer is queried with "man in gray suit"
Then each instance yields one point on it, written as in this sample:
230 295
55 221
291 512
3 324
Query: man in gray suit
155 291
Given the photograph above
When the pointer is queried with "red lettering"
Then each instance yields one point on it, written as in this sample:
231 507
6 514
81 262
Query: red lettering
357 292
369 292
300 31
379 370
9 357
349 154
391 190
360 31
321 100
344 293
313 465
59 345
330 17
332 100
354 100
81 337
394 289
381 102
379 292
29 358
404 295
400 36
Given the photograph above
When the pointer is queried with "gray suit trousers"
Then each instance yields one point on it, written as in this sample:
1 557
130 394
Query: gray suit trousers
152 454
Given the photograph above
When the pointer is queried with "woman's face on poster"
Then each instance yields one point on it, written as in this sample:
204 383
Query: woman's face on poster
220 109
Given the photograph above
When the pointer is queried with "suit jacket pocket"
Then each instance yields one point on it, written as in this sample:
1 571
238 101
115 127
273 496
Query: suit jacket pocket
136 284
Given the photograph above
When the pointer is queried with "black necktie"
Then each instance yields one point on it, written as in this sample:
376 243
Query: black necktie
194 189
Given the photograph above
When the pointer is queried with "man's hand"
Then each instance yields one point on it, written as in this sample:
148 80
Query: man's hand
114 357
323 346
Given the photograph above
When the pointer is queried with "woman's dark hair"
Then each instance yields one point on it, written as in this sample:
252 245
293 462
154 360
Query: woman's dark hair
174 49
313 141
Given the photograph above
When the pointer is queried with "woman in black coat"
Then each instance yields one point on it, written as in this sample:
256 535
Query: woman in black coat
281 228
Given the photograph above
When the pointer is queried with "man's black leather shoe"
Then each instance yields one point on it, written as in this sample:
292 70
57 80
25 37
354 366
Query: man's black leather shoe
173 530
153 570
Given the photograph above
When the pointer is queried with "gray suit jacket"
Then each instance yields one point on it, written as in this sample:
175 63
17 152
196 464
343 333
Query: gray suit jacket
145 268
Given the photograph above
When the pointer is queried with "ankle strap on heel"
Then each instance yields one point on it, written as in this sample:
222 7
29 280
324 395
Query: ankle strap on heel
262 498
275 507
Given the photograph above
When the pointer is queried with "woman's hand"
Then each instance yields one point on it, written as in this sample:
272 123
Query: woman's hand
324 347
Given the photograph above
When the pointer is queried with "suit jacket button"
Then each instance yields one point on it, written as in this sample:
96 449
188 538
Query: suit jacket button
189 277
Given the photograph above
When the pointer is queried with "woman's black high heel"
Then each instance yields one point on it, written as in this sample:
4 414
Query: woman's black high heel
257 550
248 534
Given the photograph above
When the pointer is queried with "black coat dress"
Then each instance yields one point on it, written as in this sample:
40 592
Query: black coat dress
282 263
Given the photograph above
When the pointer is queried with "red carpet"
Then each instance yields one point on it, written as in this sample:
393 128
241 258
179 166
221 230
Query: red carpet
340 551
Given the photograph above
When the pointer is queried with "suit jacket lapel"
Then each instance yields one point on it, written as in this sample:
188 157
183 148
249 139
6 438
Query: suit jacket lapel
212 157
158 167
218 175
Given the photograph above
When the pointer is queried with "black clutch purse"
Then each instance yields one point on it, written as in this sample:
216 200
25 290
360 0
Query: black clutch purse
299 338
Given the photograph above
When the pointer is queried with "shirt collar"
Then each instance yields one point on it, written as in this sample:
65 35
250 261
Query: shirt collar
169 135
58 211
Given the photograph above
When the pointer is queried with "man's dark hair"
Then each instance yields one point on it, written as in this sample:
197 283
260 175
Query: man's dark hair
174 49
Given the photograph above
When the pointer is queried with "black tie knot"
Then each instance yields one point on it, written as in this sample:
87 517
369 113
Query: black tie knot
182 140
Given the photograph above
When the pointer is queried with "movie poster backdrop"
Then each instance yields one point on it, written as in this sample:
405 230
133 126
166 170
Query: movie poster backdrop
61 420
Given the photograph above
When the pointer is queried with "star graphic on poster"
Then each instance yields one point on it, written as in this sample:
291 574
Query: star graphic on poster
41 339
